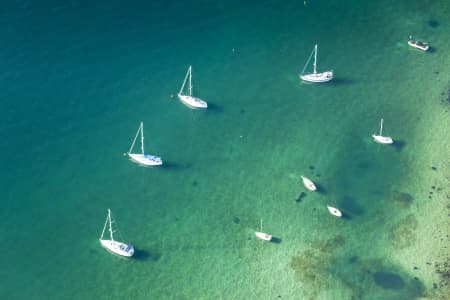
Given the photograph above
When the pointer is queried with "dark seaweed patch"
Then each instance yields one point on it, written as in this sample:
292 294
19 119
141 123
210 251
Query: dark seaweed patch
433 23
403 199
353 259
300 197
388 280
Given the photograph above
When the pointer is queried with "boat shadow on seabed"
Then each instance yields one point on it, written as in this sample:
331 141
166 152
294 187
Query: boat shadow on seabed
399 145
144 255
215 108
275 240
341 81
320 189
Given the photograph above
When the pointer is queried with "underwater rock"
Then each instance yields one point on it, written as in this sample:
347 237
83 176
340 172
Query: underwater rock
236 220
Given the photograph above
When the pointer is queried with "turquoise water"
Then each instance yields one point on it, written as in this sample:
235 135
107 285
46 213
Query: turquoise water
77 79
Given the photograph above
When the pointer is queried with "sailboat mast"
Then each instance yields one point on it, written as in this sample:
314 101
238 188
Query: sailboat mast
110 226
104 227
190 80
184 81
134 141
142 138
381 127
315 59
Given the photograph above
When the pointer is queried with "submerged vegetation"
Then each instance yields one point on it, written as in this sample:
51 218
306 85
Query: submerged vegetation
313 267
402 199
320 268
403 233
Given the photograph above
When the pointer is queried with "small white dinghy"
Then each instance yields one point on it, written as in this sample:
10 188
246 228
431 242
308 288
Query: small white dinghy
315 77
263 236
308 184
418 44
380 138
188 98
334 211
112 245
142 158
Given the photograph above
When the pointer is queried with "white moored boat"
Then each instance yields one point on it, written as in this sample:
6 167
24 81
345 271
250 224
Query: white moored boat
188 98
112 245
380 138
263 236
315 77
142 158
308 184
418 44
334 211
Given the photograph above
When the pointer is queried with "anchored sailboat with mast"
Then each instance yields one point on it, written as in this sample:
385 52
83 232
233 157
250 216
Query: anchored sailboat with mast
380 138
315 77
263 236
188 98
334 211
112 245
308 184
142 158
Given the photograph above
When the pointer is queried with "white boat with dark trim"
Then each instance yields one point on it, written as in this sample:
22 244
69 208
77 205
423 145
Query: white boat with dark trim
263 236
188 98
380 138
334 211
308 184
315 77
418 44
142 158
112 245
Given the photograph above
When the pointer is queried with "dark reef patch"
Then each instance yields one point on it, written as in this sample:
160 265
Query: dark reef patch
388 280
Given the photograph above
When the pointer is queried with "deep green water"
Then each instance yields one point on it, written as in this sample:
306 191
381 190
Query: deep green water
77 78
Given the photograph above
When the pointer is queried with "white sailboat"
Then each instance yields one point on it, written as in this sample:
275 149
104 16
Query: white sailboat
315 77
418 44
308 184
380 138
263 236
188 98
112 245
334 211
142 158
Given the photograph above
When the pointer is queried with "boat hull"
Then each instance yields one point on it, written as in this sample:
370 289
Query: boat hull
263 236
382 139
118 248
308 184
146 159
419 45
193 101
317 77
334 211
